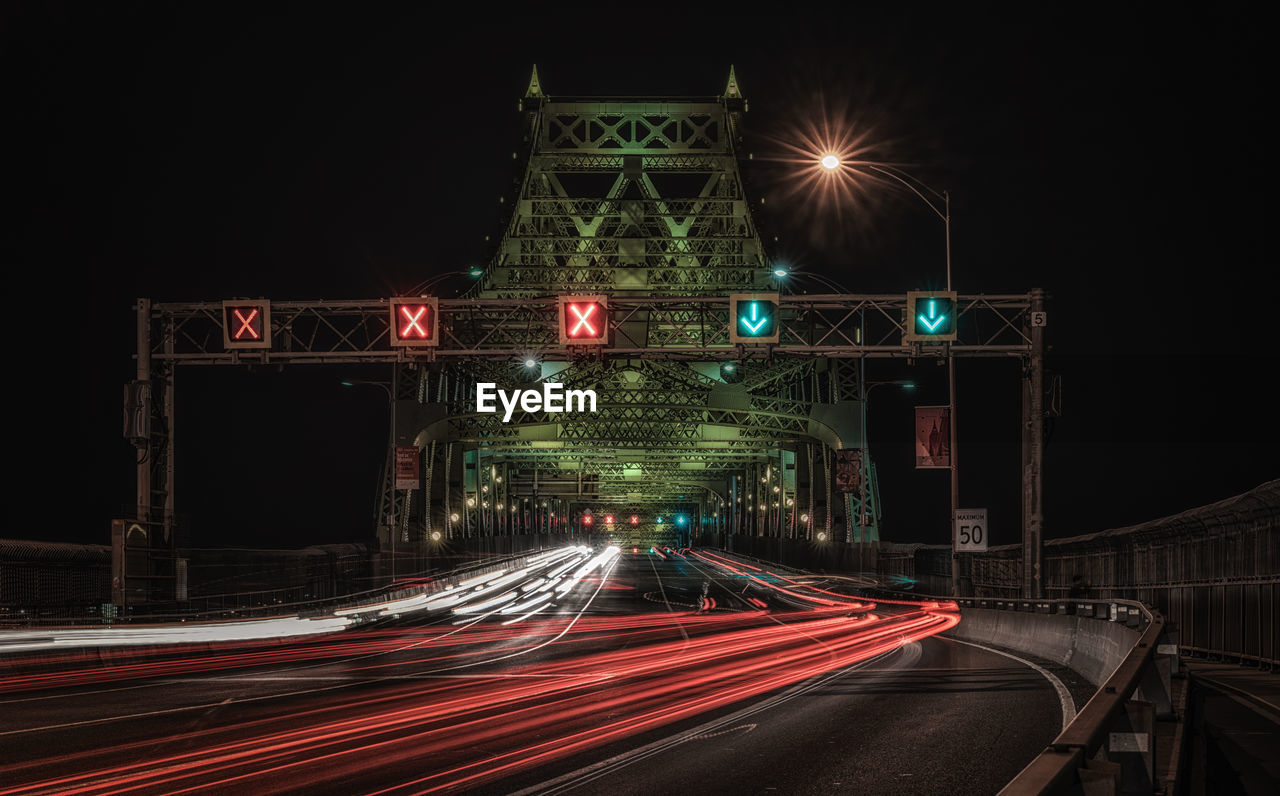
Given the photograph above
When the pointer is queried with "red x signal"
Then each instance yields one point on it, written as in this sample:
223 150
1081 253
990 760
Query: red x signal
245 330
584 320
582 326
414 321
410 321
246 324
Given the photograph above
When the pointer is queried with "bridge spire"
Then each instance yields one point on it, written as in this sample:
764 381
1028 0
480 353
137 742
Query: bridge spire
535 87
731 91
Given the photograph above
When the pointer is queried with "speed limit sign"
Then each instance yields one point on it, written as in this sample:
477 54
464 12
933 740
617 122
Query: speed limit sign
970 531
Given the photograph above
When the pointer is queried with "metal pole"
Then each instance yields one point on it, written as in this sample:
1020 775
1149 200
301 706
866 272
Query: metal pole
1025 553
946 220
955 476
1034 539
395 529
864 392
170 381
144 375
951 416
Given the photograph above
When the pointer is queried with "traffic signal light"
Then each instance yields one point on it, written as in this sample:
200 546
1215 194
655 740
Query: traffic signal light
584 320
608 519
635 519
246 324
415 322
753 318
931 317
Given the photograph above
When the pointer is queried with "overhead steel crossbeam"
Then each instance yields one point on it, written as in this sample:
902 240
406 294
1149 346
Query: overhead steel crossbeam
629 196
642 327
624 469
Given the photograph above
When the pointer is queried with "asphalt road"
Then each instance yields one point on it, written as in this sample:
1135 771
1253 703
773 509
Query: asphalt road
652 675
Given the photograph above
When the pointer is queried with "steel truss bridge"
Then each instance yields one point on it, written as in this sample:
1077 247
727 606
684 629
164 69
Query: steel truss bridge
641 201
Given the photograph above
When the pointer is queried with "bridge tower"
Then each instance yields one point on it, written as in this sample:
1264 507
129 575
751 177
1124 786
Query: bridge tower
627 197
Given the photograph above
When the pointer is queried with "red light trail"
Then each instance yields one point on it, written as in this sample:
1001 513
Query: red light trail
444 711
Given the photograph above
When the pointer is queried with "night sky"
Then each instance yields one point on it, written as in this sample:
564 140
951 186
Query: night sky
204 152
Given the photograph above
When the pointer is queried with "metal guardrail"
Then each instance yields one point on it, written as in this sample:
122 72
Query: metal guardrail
1110 745
11 617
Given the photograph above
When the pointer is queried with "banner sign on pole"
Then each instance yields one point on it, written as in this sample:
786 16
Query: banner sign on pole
848 471
933 437
407 460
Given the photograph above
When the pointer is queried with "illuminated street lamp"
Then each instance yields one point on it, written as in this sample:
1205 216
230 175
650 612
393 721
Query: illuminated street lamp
475 272
830 162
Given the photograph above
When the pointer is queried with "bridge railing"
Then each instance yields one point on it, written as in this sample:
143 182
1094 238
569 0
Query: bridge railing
1212 571
1110 745
53 585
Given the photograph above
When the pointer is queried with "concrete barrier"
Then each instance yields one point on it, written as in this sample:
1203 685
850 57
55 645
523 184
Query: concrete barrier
1091 647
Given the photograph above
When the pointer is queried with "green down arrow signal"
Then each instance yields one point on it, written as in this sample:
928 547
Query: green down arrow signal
754 326
934 320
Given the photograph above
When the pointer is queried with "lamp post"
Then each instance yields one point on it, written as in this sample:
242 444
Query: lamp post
475 272
865 393
826 282
831 163
393 531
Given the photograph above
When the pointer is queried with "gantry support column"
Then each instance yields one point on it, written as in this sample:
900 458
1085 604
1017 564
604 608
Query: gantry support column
1033 456
144 376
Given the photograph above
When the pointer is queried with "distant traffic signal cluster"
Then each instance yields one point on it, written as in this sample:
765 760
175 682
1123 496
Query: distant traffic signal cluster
681 519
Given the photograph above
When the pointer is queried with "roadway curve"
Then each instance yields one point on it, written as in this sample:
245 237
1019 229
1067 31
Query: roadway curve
656 673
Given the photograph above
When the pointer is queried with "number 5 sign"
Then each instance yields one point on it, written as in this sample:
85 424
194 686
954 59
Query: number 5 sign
970 531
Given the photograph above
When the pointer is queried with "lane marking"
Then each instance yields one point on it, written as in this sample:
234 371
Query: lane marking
662 589
743 728
1064 696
